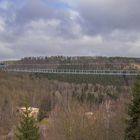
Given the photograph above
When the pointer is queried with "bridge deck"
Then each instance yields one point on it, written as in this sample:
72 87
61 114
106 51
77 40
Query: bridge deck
75 71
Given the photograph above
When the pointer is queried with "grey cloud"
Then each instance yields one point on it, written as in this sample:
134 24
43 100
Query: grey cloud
91 27
103 16
35 10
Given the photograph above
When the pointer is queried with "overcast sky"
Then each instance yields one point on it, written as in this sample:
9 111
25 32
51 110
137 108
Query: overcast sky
69 27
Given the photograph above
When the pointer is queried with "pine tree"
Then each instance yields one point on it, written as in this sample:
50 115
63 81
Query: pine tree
132 131
27 129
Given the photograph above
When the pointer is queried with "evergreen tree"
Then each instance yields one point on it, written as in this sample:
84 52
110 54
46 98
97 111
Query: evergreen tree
27 129
132 131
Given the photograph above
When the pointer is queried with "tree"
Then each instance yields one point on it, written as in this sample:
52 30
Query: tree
27 129
132 131
44 108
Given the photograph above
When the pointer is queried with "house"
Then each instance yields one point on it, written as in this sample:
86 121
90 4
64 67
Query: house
33 112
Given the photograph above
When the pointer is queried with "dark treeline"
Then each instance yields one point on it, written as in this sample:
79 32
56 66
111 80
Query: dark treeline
79 59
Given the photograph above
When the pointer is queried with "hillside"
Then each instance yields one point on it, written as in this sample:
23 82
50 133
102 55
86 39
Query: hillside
18 88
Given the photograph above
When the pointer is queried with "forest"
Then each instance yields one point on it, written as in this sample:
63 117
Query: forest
71 107
64 104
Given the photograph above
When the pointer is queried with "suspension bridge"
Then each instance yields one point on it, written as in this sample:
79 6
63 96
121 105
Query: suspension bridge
68 69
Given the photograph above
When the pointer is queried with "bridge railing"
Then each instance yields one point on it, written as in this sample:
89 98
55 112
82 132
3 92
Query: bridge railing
75 71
